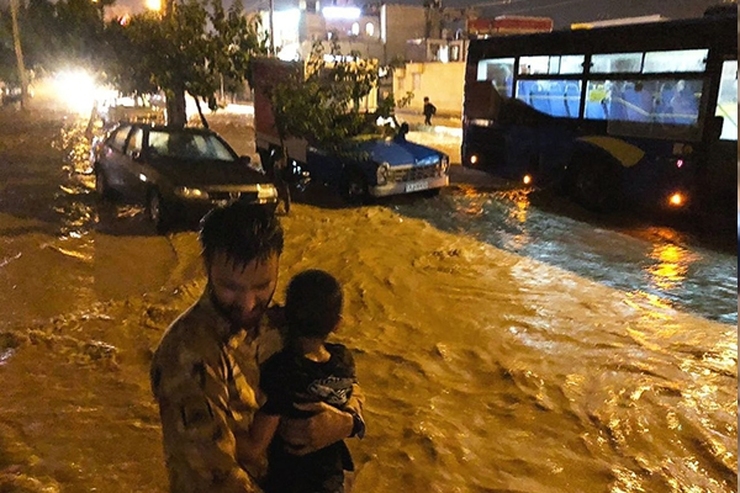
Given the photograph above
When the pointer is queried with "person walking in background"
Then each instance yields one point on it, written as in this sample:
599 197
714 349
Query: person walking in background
307 370
429 111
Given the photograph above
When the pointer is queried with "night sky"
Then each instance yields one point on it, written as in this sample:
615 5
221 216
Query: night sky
563 12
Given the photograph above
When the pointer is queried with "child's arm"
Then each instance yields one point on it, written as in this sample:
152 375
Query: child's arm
251 446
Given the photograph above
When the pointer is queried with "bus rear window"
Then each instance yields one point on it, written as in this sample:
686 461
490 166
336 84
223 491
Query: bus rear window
498 71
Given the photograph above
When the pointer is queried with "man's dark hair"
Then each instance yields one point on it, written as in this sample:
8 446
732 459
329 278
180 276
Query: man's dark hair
244 232
313 304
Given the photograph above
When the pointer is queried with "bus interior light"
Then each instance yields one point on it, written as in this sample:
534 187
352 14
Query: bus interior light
527 179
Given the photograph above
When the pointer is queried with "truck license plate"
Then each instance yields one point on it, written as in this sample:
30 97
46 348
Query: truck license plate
416 186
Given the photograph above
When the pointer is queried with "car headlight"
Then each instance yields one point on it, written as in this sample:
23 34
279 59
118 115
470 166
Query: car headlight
190 193
445 162
383 173
266 191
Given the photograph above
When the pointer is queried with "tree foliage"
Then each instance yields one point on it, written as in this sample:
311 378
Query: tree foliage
53 35
323 103
189 49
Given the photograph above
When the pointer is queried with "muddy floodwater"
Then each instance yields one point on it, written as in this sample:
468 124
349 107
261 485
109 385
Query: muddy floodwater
492 360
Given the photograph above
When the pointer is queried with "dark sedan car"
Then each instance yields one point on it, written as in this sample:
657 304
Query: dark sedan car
176 172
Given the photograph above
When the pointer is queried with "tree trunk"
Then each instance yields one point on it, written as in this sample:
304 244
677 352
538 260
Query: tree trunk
200 112
19 53
176 115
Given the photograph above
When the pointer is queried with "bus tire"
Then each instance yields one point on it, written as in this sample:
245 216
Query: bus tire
594 182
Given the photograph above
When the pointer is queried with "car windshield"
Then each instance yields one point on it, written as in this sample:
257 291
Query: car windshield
188 146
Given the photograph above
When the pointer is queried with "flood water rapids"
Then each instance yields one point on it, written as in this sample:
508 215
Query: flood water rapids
492 360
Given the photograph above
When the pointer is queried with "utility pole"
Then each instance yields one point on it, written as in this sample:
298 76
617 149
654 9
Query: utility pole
272 27
19 53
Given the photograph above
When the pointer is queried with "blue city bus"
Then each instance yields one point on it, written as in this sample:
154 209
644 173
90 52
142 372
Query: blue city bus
633 115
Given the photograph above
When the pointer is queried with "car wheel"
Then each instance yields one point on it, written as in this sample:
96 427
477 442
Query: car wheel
431 193
157 212
354 188
595 182
101 185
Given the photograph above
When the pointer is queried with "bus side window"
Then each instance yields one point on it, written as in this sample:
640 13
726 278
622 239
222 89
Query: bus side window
535 93
639 102
663 108
499 72
685 102
596 103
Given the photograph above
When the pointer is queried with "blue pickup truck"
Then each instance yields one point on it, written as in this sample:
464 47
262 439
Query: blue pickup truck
377 167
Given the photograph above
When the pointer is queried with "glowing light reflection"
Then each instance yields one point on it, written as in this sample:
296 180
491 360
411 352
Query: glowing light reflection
672 265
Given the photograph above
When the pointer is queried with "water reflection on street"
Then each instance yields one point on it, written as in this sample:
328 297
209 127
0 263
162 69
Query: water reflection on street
656 265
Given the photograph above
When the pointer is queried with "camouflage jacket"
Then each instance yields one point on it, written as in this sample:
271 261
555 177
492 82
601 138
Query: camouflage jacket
205 379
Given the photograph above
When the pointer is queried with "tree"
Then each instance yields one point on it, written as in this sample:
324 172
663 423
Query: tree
321 102
53 34
188 49
19 53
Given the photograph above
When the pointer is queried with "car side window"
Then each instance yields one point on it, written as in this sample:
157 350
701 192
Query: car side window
135 142
118 139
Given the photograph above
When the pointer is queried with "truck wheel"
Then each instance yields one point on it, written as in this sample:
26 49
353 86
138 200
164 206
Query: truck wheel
594 182
157 211
354 187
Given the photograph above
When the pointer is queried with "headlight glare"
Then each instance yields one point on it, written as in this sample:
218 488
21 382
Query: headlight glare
266 191
191 193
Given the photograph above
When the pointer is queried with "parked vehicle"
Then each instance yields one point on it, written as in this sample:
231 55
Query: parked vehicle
178 173
370 166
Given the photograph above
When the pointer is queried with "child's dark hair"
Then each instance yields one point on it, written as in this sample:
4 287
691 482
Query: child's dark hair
243 231
313 304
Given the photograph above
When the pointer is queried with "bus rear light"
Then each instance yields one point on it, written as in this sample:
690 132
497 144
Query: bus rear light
677 200
527 179
474 159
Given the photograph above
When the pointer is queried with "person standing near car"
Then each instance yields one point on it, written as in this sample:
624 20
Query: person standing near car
429 111
205 371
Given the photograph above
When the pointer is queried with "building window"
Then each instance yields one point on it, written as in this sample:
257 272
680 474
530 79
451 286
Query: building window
370 29
355 29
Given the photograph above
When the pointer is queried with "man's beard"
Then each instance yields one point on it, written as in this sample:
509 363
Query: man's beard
233 314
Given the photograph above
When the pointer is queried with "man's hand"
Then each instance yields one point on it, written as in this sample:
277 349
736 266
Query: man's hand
327 426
